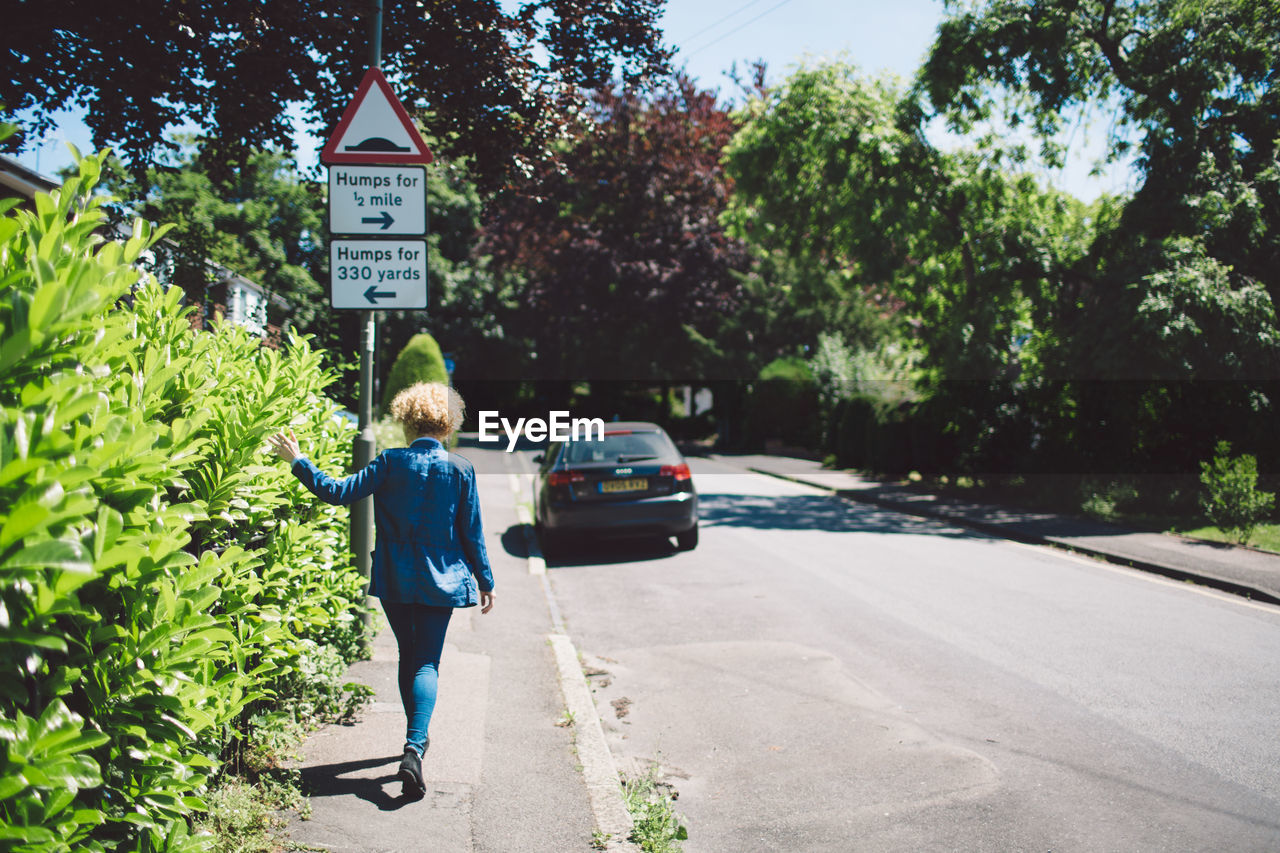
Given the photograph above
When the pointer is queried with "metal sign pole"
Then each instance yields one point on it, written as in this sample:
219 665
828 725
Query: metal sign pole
365 445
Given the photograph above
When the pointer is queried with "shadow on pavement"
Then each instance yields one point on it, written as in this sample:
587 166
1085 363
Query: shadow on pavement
513 541
329 780
1224 547
816 512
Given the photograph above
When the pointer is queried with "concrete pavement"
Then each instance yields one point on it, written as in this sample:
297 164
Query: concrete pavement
1243 571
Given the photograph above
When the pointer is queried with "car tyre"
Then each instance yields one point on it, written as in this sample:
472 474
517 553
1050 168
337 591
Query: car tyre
688 540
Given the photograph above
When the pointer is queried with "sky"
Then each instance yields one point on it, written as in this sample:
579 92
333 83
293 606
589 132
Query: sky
711 35
877 36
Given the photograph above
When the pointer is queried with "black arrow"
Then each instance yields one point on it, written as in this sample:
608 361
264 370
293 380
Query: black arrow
383 217
373 294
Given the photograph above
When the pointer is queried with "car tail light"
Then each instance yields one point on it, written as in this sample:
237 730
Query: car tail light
676 472
564 478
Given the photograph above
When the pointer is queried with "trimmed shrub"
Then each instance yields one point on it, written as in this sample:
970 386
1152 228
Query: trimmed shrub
1231 499
161 575
419 361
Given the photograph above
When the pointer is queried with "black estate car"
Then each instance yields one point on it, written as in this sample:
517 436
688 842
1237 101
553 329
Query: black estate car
631 481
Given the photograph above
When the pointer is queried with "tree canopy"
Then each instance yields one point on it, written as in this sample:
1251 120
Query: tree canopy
1089 337
830 166
615 250
1191 87
487 85
264 221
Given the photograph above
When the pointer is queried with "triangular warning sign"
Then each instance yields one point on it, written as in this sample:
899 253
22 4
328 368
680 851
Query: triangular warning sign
375 128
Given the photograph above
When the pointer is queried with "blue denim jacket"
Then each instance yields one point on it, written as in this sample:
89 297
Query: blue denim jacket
430 546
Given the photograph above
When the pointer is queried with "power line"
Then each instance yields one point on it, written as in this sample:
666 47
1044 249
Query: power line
736 29
741 8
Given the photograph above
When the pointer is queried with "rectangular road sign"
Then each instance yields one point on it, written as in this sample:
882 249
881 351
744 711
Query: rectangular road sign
378 200
378 274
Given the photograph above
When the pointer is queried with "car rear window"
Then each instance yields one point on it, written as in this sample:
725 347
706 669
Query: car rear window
619 447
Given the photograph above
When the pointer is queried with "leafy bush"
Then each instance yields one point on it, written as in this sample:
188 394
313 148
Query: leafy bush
1231 498
792 369
158 578
419 361
1106 499
388 433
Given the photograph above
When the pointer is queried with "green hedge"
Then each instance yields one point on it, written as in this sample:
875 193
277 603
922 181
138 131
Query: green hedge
783 406
892 439
160 575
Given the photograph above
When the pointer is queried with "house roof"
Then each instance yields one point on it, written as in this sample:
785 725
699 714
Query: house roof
18 180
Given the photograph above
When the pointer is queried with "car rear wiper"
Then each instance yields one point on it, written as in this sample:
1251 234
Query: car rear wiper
635 458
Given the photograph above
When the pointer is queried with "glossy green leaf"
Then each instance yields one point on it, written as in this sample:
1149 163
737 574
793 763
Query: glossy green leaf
61 554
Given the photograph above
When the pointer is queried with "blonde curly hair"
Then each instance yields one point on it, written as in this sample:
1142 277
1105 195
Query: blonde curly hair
429 408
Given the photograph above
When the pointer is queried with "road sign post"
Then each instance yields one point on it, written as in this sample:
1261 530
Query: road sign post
377 189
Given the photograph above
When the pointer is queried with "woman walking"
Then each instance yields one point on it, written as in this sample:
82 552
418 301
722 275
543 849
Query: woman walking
430 555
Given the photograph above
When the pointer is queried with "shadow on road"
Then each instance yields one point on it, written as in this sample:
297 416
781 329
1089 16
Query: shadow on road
589 551
816 512
329 780
600 552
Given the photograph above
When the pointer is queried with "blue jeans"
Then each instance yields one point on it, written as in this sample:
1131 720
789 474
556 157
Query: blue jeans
419 631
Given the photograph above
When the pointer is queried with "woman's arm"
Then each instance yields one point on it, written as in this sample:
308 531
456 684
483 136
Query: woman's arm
471 532
348 490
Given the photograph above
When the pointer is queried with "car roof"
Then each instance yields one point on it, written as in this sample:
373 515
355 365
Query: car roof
633 426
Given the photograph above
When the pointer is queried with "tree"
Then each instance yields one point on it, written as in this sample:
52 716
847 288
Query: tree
1190 84
619 264
264 222
487 85
833 169
267 223
1178 290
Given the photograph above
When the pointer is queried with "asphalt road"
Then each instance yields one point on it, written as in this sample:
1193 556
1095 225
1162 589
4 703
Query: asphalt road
820 675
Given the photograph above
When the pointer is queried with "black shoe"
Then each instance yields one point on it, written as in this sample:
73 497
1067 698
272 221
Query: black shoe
411 775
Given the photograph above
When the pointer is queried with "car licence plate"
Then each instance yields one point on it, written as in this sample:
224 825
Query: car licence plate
635 484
